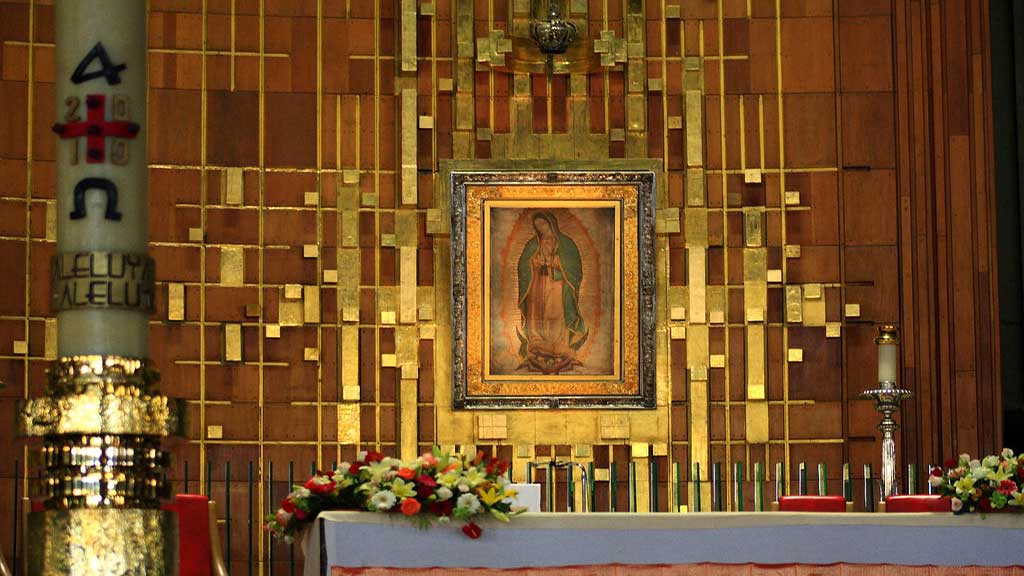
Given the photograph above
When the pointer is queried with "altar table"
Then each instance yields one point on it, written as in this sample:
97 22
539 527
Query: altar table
633 544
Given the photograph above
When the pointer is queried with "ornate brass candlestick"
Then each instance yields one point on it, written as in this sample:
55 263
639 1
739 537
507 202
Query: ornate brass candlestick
101 416
888 396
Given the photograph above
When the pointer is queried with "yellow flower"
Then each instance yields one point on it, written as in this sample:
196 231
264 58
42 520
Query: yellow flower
475 477
998 475
402 489
378 471
965 485
489 496
1017 499
511 493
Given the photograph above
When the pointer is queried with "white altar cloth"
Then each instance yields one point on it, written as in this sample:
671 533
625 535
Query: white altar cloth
360 539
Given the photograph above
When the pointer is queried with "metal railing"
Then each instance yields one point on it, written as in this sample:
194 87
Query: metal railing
623 486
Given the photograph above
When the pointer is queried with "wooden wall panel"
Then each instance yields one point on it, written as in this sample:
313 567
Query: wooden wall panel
856 133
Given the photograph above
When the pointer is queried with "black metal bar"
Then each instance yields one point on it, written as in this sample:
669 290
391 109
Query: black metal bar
869 498
592 486
227 513
17 514
185 488
737 485
847 483
780 481
273 508
291 550
250 517
696 487
613 485
716 487
652 480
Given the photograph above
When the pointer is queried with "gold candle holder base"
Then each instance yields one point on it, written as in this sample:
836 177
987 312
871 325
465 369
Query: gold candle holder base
102 542
101 419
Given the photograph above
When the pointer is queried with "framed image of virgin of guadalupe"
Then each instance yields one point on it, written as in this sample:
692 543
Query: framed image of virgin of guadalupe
553 286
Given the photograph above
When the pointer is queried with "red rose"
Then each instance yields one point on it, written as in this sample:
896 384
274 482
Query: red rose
406 473
502 467
410 506
318 488
288 506
985 504
472 530
300 513
424 492
949 463
1020 472
374 457
425 480
441 508
354 468
937 472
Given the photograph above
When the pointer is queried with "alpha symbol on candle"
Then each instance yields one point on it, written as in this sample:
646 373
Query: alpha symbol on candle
96 129
100 184
107 67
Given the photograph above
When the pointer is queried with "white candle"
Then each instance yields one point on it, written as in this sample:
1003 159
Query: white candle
101 60
888 362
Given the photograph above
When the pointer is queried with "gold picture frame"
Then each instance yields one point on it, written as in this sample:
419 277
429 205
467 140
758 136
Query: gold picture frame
553 288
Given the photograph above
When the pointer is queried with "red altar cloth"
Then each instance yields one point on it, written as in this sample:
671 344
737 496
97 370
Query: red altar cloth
696 570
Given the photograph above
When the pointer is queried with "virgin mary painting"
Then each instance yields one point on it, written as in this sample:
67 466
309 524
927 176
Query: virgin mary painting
550 273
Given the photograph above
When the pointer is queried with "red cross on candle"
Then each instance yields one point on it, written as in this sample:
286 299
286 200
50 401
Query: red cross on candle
96 129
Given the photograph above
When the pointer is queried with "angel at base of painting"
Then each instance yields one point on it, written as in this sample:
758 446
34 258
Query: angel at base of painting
550 271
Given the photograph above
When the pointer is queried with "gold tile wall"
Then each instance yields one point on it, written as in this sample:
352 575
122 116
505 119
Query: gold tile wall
300 227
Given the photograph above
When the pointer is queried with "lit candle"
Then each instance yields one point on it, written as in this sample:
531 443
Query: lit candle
101 277
888 355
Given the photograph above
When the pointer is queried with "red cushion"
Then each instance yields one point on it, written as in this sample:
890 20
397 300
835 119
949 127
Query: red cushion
194 554
918 503
812 504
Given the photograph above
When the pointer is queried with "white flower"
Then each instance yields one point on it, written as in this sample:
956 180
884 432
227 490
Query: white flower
974 463
991 461
469 502
935 481
964 458
443 493
1007 453
361 456
444 520
391 462
979 473
383 500
302 492
503 481
463 487
956 504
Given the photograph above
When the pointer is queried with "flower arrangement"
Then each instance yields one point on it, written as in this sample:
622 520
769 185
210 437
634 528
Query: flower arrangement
992 483
435 486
